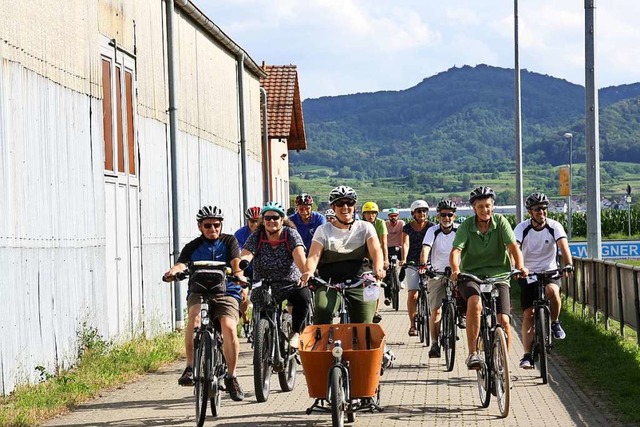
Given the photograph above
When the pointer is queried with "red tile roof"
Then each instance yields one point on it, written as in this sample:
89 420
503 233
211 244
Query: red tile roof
284 107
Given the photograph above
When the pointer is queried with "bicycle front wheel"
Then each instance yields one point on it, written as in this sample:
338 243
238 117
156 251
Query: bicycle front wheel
395 290
501 371
425 319
449 334
287 377
261 355
337 396
542 326
483 375
202 377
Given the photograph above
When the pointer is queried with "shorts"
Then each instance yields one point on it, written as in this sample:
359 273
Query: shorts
412 279
529 291
436 292
223 305
503 306
327 302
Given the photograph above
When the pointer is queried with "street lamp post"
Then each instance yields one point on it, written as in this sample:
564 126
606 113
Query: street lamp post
569 137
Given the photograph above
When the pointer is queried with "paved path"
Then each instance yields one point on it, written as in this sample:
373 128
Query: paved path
416 391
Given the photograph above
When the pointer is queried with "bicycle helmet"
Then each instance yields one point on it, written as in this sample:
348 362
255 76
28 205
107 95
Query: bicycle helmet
272 206
304 199
342 192
536 199
481 193
209 212
446 204
329 213
252 212
370 207
392 211
419 204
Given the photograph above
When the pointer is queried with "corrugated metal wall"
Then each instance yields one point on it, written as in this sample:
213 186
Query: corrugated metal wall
52 224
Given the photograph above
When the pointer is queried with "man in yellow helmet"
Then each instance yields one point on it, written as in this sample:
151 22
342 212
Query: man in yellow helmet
370 212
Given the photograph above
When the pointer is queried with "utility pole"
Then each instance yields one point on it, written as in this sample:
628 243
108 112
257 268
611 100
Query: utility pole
518 117
594 238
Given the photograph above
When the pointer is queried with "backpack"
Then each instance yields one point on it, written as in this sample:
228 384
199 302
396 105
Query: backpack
263 239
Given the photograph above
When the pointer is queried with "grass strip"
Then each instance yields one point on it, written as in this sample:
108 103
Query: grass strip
603 362
100 366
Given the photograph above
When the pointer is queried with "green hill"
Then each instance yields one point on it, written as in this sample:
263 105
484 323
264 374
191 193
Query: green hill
456 126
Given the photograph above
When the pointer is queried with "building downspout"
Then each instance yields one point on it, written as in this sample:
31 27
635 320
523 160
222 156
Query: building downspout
173 143
266 165
243 131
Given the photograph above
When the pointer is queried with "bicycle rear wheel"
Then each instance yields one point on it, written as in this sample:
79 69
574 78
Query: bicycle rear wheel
202 377
501 371
449 334
542 326
395 290
261 355
483 375
337 396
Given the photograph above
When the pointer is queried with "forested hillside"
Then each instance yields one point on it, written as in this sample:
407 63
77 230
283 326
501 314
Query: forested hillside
462 121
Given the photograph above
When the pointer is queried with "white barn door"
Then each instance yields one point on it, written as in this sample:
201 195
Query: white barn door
122 203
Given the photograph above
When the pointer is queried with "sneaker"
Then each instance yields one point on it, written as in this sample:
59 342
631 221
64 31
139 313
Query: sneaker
233 388
462 322
186 379
527 361
434 351
294 341
473 361
377 318
558 332
387 301
387 359
413 332
402 286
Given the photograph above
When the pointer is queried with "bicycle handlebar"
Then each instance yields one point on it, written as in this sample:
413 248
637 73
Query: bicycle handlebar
490 280
365 279
551 273
218 265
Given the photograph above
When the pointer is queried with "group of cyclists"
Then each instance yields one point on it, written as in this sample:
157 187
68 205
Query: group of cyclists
337 246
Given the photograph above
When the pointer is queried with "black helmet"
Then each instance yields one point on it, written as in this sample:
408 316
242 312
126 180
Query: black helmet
210 212
536 199
342 192
446 204
481 193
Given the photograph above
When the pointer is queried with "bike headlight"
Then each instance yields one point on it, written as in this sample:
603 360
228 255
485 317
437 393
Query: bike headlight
337 352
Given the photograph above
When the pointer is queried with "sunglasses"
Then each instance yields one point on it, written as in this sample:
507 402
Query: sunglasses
208 225
271 217
253 221
341 203
393 216
421 211
446 215
539 209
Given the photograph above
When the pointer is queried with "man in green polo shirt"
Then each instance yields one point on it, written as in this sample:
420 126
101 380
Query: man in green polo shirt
370 212
485 246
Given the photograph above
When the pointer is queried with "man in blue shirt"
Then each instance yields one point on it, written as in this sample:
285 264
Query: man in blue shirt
305 220
213 245
252 215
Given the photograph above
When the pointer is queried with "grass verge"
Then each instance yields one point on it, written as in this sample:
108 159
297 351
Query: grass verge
100 366
604 364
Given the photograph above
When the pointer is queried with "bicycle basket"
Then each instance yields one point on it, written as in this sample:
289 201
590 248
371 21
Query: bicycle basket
208 277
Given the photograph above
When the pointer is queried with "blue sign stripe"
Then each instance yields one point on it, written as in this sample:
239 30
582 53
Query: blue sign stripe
612 249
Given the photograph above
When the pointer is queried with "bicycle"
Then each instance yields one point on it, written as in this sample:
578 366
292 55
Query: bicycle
493 375
449 319
271 349
393 281
422 314
542 337
207 278
349 388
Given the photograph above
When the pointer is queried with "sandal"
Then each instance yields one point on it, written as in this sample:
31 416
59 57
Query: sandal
413 332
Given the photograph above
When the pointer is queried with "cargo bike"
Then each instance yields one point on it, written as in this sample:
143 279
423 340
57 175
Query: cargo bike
342 362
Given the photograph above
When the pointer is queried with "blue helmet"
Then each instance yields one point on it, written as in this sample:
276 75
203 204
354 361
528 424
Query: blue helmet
272 206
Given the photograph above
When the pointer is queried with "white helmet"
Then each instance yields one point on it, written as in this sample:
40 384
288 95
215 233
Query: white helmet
419 204
329 212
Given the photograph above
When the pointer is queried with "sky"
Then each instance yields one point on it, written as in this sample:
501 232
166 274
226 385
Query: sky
350 46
